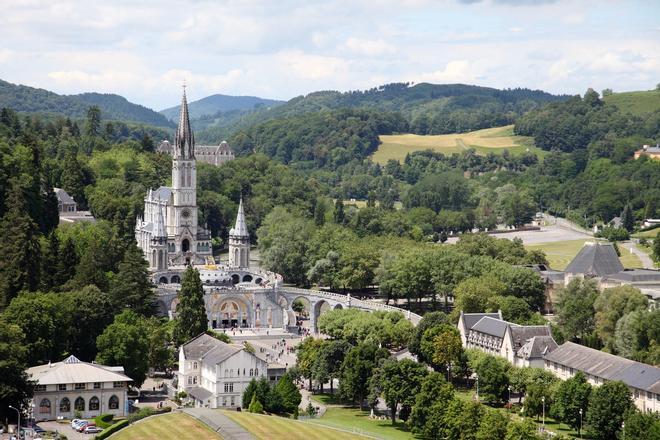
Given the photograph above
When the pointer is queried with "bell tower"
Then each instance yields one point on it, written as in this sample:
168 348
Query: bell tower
182 221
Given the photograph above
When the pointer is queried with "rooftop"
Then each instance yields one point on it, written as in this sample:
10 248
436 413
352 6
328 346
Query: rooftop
595 259
73 370
209 349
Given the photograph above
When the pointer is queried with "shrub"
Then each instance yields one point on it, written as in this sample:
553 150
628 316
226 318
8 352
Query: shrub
255 406
144 412
111 430
104 420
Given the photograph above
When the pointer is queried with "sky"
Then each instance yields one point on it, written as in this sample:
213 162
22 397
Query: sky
145 50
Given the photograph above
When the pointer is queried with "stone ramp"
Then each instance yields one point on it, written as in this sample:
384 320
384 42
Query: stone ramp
220 423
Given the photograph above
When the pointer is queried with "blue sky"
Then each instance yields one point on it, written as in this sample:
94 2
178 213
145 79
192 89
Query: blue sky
144 50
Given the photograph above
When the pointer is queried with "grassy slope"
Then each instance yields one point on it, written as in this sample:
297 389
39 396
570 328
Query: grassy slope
354 419
490 140
176 426
636 103
560 253
278 428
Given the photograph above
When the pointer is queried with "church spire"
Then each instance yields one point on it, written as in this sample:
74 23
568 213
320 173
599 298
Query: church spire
184 140
240 228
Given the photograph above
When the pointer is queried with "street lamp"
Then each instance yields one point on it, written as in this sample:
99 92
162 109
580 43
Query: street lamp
580 423
477 380
543 400
509 388
623 425
448 369
19 420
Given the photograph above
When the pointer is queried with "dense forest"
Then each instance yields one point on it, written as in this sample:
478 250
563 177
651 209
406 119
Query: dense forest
31 100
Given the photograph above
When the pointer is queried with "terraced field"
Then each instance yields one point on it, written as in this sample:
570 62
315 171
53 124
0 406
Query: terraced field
490 140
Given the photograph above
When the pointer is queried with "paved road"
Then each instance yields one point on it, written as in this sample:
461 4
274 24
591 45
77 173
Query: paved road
220 423
647 262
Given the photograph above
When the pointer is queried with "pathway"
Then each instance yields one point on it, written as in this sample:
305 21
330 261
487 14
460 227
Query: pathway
647 262
220 423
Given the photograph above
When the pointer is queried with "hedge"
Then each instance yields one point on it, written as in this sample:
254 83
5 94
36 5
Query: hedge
104 420
111 430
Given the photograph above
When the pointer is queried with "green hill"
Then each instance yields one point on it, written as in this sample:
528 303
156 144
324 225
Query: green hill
429 108
637 103
213 104
32 100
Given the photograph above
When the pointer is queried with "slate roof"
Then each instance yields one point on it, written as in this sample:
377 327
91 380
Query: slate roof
595 259
537 347
240 228
523 333
63 196
607 366
636 276
470 319
492 326
162 193
199 393
209 349
73 370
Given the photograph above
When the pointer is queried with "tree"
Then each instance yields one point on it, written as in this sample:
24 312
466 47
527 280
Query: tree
289 393
21 252
161 356
125 342
611 305
571 400
308 353
575 308
608 405
642 425
338 215
398 382
49 262
656 248
73 177
537 398
525 430
493 426
357 369
67 262
429 320
472 294
15 386
461 420
627 218
249 392
93 123
91 270
447 347
430 404
255 406
191 317
131 286
493 379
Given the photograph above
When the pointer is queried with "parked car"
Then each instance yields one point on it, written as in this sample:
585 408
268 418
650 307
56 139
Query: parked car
90 429
74 422
82 425
38 429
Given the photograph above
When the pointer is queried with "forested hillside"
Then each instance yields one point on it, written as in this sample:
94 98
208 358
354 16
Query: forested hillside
214 104
428 108
31 100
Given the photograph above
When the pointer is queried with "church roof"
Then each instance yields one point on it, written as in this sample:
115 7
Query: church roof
240 228
163 193
595 259
159 228
184 139
73 370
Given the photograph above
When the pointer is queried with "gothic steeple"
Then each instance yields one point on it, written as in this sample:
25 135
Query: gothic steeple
240 228
184 140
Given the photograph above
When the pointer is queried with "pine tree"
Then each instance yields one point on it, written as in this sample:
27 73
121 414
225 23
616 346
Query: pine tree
191 317
289 393
73 178
131 286
627 218
90 271
51 216
93 124
67 262
20 258
49 263
255 406
338 215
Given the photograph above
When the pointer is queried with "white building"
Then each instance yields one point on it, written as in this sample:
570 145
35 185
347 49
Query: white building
215 374
522 345
211 154
600 367
65 388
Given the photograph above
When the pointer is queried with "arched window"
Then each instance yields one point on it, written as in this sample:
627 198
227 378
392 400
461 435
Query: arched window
189 181
94 404
185 245
251 371
256 372
44 406
113 403
79 404
65 405
189 380
194 365
183 176
195 380
226 372
231 373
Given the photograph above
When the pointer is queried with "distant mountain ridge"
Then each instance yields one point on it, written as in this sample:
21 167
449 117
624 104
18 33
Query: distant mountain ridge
33 100
218 103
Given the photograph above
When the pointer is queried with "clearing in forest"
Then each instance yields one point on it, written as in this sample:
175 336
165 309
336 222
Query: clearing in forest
490 140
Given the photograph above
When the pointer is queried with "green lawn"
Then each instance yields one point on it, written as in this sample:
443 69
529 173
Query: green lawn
278 428
491 140
356 420
651 233
637 103
560 253
175 426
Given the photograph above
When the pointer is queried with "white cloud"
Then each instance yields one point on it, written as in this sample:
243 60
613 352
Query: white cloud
5 55
454 71
312 67
367 47
516 29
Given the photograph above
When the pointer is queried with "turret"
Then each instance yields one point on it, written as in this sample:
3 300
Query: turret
239 241
159 242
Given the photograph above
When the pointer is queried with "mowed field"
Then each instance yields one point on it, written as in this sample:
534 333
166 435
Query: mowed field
489 140
176 426
359 421
278 428
560 253
637 103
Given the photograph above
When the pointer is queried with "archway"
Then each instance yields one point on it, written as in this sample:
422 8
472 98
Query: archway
247 278
175 279
235 278
338 306
185 245
229 313
162 308
258 280
163 280
302 309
